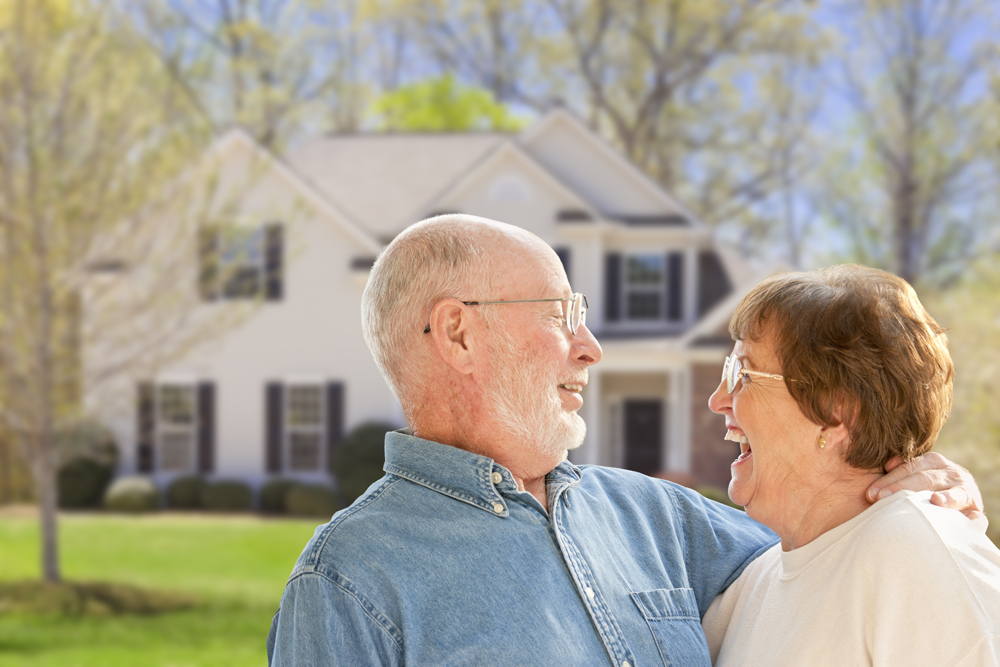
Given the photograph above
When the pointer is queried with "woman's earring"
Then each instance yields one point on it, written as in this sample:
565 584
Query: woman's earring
822 442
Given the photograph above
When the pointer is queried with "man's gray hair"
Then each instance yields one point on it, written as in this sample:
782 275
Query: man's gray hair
445 256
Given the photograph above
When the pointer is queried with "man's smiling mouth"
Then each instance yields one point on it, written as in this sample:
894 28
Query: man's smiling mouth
575 388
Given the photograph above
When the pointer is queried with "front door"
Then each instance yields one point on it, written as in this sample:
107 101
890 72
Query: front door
644 435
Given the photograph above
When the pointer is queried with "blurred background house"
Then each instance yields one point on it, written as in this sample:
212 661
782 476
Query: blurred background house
275 395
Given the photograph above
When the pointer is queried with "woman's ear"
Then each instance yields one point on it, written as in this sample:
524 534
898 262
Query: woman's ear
451 334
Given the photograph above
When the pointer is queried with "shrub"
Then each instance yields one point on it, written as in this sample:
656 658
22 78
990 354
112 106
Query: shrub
226 496
184 493
359 460
311 500
86 456
82 483
273 495
131 494
86 439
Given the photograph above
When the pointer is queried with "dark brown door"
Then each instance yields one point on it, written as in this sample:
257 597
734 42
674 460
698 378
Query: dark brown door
644 435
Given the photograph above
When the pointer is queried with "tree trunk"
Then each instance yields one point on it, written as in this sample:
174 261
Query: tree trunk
45 478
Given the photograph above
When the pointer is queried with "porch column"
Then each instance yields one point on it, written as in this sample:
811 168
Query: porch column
589 451
678 435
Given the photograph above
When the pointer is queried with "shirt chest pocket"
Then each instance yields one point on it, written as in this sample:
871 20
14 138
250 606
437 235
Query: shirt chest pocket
672 617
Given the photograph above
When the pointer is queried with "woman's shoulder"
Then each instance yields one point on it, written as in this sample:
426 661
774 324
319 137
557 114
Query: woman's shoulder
909 533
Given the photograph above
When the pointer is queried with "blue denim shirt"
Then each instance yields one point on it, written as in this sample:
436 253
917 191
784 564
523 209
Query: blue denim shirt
444 562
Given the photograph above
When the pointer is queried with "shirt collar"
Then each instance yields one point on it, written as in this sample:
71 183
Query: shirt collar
458 473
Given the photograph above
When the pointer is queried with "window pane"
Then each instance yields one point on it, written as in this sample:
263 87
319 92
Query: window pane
177 405
303 451
176 451
643 305
241 261
644 270
305 405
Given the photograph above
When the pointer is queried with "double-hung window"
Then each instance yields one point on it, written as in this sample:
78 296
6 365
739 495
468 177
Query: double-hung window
644 290
176 426
242 262
304 430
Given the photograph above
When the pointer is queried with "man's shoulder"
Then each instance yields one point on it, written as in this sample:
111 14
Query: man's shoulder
358 529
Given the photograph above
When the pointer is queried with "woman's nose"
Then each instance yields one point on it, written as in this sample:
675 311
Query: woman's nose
721 400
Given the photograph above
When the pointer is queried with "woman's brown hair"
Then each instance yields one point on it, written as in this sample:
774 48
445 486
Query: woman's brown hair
861 350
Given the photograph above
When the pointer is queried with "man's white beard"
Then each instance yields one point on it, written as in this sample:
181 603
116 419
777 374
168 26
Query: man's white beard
525 400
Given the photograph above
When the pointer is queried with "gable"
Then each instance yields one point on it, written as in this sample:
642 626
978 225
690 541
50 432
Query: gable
510 185
384 181
589 166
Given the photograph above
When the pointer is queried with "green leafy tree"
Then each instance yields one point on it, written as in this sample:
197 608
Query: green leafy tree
96 146
908 180
442 104
970 311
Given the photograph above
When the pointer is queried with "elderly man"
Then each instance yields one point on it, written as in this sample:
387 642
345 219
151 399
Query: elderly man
483 545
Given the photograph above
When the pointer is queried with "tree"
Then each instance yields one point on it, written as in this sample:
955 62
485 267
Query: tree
95 139
970 311
692 92
276 68
442 104
910 181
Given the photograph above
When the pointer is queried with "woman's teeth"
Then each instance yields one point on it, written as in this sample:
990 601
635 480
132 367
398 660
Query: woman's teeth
736 437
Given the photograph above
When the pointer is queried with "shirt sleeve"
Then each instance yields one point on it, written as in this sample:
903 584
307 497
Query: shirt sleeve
326 621
718 541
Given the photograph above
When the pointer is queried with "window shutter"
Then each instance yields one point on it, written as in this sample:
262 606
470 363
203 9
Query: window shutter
334 422
274 425
713 281
206 427
274 262
675 286
612 286
146 427
563 254
208 263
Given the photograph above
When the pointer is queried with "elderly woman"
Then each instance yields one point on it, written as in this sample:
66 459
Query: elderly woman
834 373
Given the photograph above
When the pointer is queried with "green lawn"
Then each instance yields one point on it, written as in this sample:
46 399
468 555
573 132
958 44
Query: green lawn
237 566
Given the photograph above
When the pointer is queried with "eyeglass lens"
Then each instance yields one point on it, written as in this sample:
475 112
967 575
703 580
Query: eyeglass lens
576 313
731 372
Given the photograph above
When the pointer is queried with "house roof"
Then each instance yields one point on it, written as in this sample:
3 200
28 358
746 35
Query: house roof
416 168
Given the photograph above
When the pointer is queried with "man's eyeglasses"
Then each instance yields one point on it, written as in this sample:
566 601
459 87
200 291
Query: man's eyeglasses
575 309
734 372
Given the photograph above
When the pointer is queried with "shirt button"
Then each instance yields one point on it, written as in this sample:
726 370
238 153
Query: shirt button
498 508
497 478
626 664
589 591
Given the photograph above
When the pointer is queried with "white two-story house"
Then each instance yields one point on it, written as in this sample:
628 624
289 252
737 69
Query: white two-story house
275 395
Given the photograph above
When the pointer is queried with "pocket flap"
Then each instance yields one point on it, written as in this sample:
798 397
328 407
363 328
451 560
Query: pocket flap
667 604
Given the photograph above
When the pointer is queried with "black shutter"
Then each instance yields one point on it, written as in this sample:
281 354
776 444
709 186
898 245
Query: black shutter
713 281
208 263
206 427
274 425
146 427
274 262
675 286
563 254
612 286
334 422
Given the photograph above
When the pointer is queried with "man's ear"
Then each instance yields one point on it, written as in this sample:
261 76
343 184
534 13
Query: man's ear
450 332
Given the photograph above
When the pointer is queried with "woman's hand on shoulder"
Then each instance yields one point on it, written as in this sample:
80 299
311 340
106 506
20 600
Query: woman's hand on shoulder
953 485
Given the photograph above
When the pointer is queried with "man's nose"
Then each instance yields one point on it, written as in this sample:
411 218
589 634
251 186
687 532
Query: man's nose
585 347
